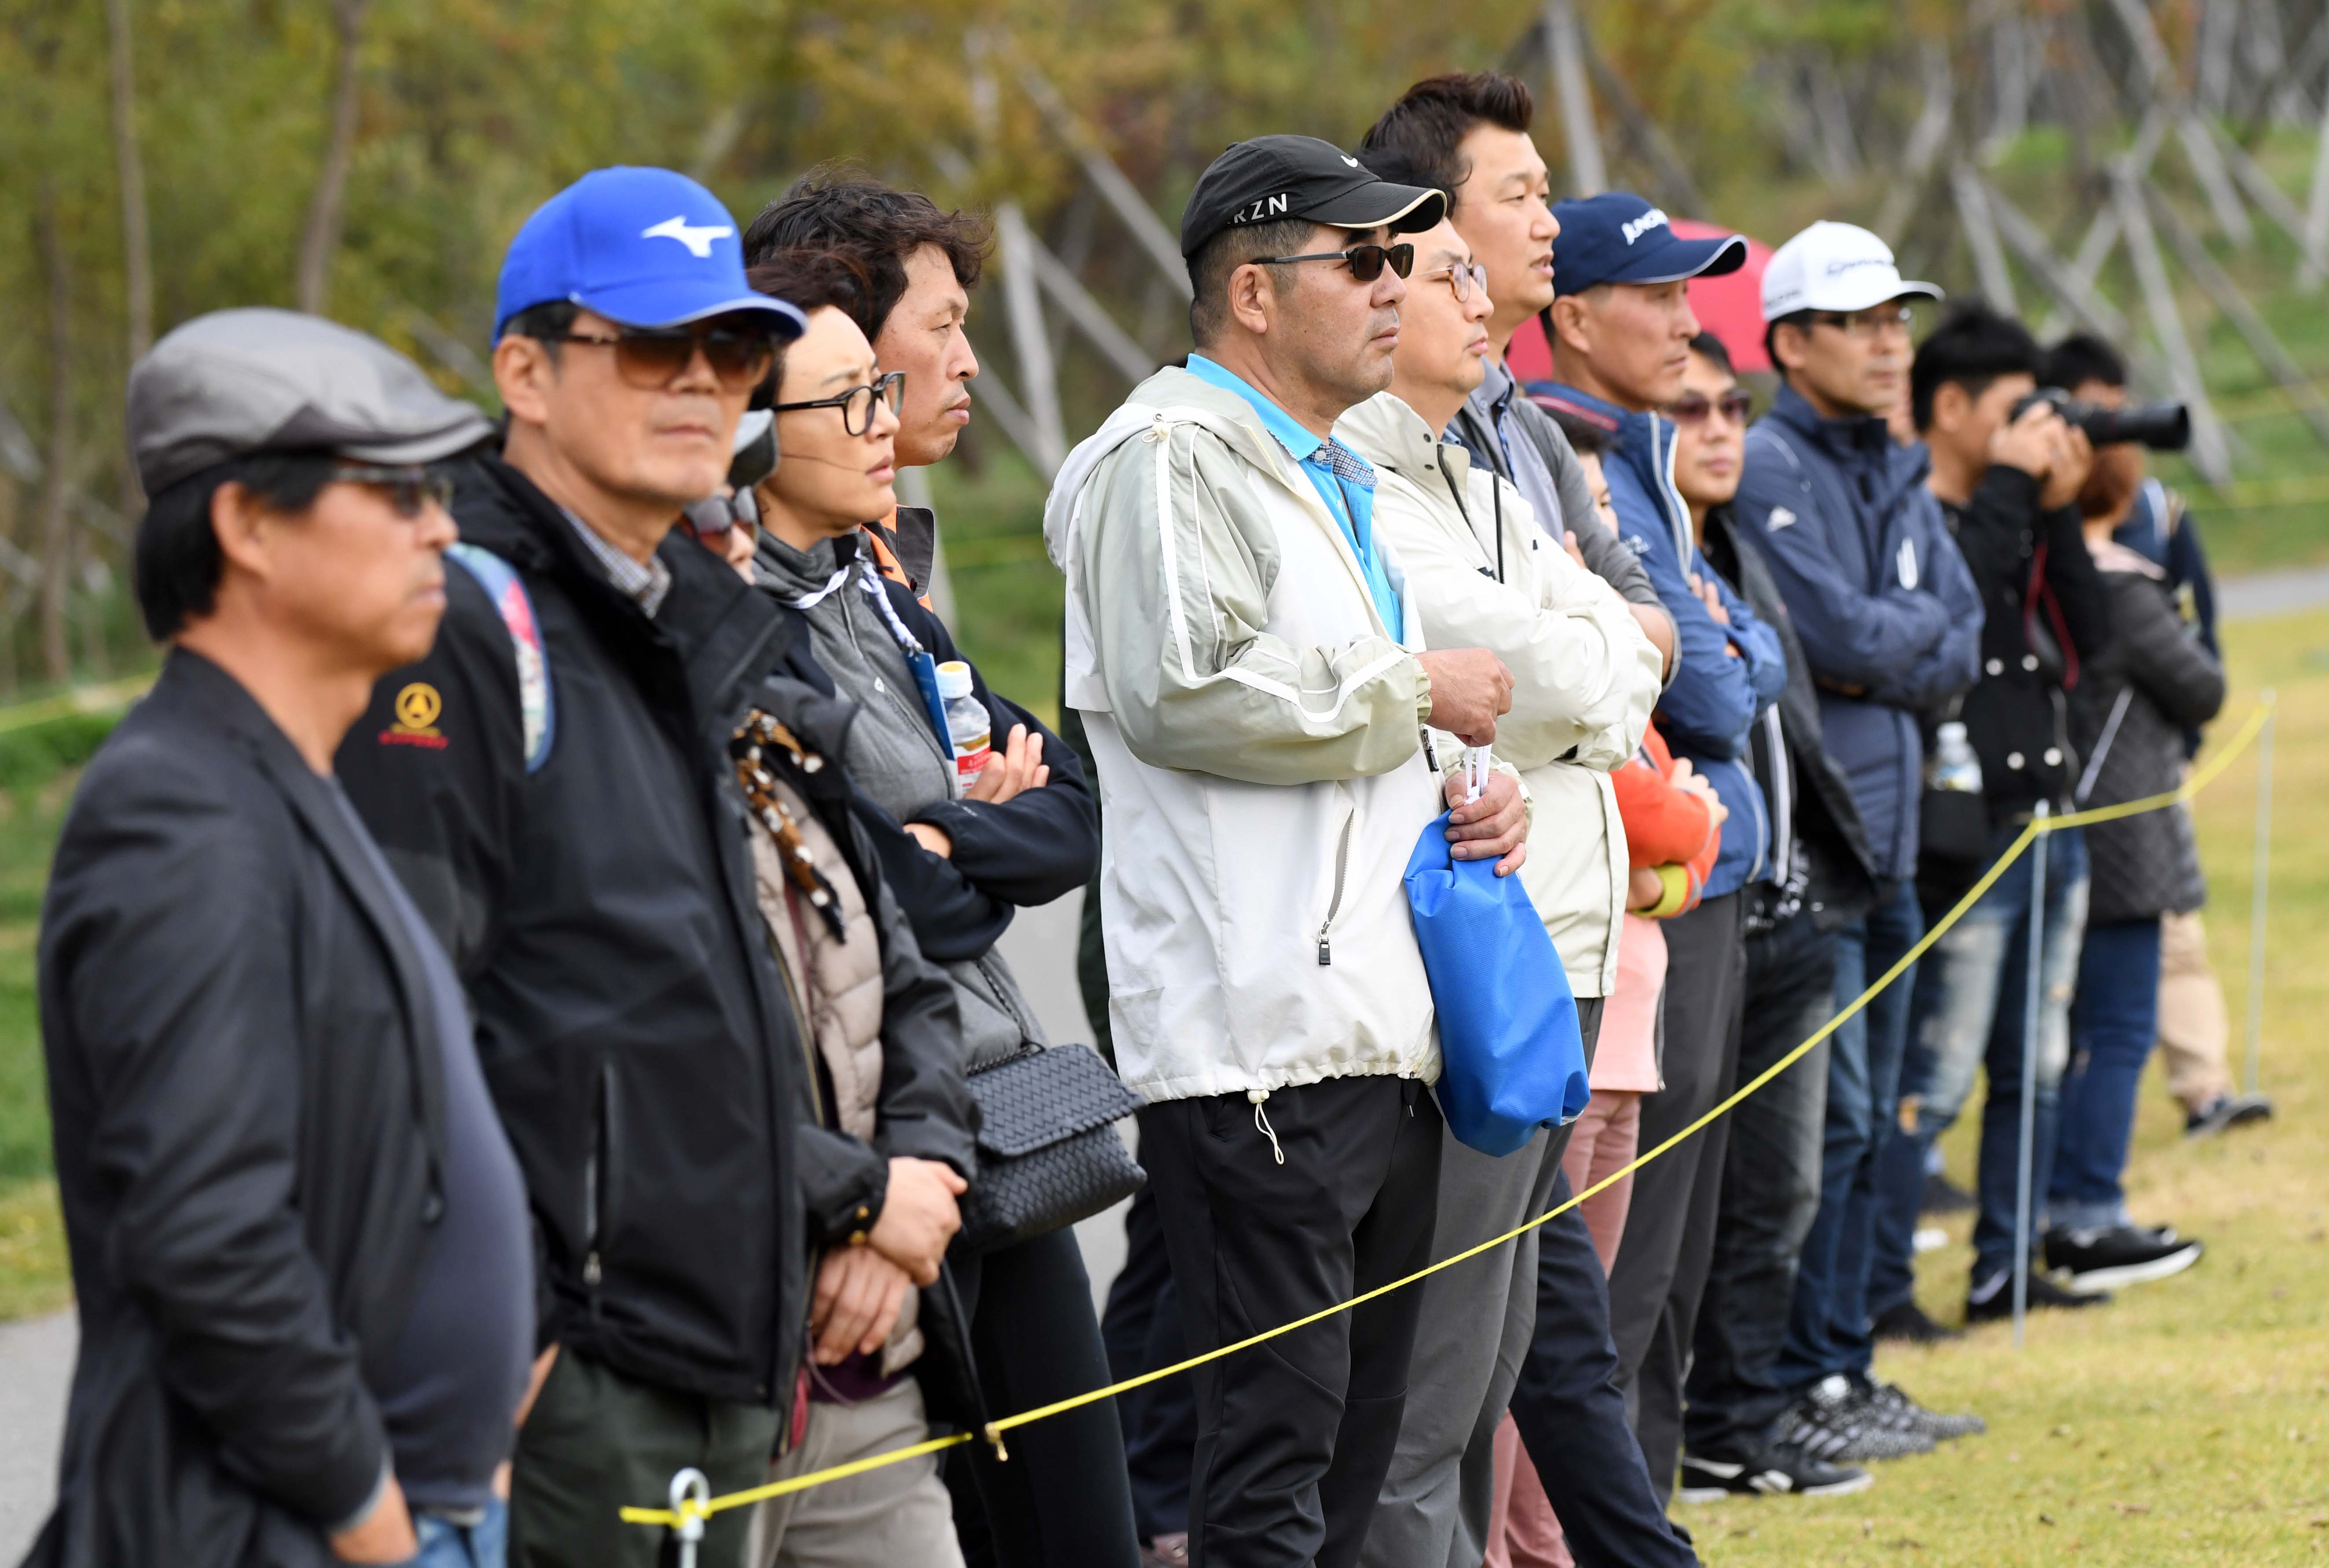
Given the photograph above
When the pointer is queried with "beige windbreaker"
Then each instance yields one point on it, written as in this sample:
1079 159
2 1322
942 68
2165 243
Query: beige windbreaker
1258 735
1585 677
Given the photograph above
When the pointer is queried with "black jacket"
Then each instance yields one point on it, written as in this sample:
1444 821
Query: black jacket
249 1107
1837 862
600 911
2047 618
2129 717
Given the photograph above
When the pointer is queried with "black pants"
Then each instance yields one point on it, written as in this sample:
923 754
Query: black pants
1662 1260
1062 1500
1572 1417
1294 1437
1142 1326
1771 1191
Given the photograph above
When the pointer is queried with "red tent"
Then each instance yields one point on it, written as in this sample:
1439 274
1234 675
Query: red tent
1729 306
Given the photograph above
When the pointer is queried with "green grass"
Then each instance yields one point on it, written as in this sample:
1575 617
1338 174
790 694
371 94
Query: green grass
2187 1422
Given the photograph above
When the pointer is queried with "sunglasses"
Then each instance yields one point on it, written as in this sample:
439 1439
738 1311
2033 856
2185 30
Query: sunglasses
652 358
1868 324
411 488
1366 261
1692 408
857 404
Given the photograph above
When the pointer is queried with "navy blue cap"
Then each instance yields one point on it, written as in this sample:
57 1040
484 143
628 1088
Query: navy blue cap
640 246
1617 237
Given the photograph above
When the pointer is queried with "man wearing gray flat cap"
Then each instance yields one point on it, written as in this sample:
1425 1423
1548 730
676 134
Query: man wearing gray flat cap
298 1234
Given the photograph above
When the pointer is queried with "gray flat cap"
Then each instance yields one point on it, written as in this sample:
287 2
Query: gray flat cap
237 381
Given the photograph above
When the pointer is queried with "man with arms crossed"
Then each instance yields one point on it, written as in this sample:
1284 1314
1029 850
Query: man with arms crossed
1245 661
567 816
299 1235
1584 677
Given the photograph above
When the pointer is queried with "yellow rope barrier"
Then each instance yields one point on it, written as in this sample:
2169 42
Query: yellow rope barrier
2200 778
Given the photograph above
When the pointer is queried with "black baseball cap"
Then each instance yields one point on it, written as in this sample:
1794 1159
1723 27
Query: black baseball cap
1271 179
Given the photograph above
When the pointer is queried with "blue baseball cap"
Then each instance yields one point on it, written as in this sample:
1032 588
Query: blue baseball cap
640 246
1617 237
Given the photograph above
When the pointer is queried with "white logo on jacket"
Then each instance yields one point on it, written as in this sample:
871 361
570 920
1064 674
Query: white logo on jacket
1780 518
1908 563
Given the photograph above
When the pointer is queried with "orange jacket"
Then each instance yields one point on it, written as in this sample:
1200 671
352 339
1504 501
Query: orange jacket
1668 829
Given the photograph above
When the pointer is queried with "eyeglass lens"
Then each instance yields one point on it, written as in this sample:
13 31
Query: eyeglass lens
1366 261
653 360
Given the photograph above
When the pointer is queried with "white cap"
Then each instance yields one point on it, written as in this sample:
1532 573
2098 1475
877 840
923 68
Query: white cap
954 679
1834 267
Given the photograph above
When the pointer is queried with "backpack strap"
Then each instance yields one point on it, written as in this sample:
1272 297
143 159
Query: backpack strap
507 590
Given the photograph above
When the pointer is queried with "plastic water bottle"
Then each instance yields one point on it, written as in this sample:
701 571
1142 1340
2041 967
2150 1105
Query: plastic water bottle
1952 765
967 725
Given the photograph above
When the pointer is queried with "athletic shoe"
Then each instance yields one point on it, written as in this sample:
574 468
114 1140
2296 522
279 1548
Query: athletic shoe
1944 1196
1940 1428
1907 1321
1166 1551
2085 1263
1834 1404
1766 1469
2226 1111
1997 1304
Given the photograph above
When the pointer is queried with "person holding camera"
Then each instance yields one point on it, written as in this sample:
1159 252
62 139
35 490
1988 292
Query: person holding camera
2007 469
2194 1030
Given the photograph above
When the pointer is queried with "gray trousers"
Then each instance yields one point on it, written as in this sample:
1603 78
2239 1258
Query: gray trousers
900 1514
1478 1318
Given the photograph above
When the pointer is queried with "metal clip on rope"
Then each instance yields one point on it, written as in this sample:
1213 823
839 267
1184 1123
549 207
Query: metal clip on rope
691 1502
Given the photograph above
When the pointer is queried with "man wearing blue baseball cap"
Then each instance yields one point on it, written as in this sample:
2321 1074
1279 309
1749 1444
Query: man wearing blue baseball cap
1621 325
553 785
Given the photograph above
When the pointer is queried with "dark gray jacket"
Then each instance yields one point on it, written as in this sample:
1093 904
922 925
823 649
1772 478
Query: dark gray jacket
1026 851
2152 682
249 1105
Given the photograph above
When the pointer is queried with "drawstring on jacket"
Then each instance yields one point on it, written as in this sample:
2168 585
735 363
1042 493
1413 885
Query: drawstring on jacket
1262 1121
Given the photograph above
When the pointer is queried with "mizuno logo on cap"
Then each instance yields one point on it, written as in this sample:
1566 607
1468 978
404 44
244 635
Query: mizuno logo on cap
1653 218
697 238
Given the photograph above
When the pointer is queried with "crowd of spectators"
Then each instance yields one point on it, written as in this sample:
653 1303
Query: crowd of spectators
521 994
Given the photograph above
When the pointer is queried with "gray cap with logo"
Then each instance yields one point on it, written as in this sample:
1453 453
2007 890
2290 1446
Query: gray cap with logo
238 382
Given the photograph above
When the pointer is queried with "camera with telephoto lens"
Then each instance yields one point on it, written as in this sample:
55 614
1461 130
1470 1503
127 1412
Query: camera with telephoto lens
2161 426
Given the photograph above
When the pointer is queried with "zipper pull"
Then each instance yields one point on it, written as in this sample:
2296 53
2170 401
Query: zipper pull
1325 952
590 1273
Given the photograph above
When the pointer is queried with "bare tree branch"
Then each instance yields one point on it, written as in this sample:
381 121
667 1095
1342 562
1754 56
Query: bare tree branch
319 237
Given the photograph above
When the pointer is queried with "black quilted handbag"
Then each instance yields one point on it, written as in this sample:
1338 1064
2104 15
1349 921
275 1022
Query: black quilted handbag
1048 1152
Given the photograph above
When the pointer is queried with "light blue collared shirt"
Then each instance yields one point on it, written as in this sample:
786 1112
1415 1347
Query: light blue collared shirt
1343 480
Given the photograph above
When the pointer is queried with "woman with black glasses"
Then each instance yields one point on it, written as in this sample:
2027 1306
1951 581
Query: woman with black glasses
963 846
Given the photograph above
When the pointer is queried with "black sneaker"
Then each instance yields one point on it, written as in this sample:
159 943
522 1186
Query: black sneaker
1944 1196
1766 1469
1933 1424
1837 1404
2227 1111
1907 1321
1997 1305
2085 1262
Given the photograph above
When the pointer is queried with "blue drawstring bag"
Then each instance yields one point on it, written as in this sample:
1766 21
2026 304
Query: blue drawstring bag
1511 1057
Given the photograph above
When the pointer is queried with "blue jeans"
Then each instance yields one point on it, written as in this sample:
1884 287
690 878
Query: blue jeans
1968 1015
1827 1326
445 1544
2113 1022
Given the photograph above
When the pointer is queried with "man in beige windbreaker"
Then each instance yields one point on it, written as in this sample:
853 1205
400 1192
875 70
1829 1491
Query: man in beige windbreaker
1483 573
1248 666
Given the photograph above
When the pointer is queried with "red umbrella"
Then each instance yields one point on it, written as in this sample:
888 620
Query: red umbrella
1729 306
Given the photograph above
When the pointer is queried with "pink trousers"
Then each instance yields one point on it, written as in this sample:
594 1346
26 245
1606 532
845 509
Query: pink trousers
1522 1531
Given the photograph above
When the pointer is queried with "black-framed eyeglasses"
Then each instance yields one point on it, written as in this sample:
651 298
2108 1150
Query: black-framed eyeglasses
650 358
1871 323
1692 408
1366 261
857 404
1462 276
410 487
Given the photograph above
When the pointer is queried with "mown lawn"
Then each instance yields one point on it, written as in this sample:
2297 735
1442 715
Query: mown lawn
2187 1422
